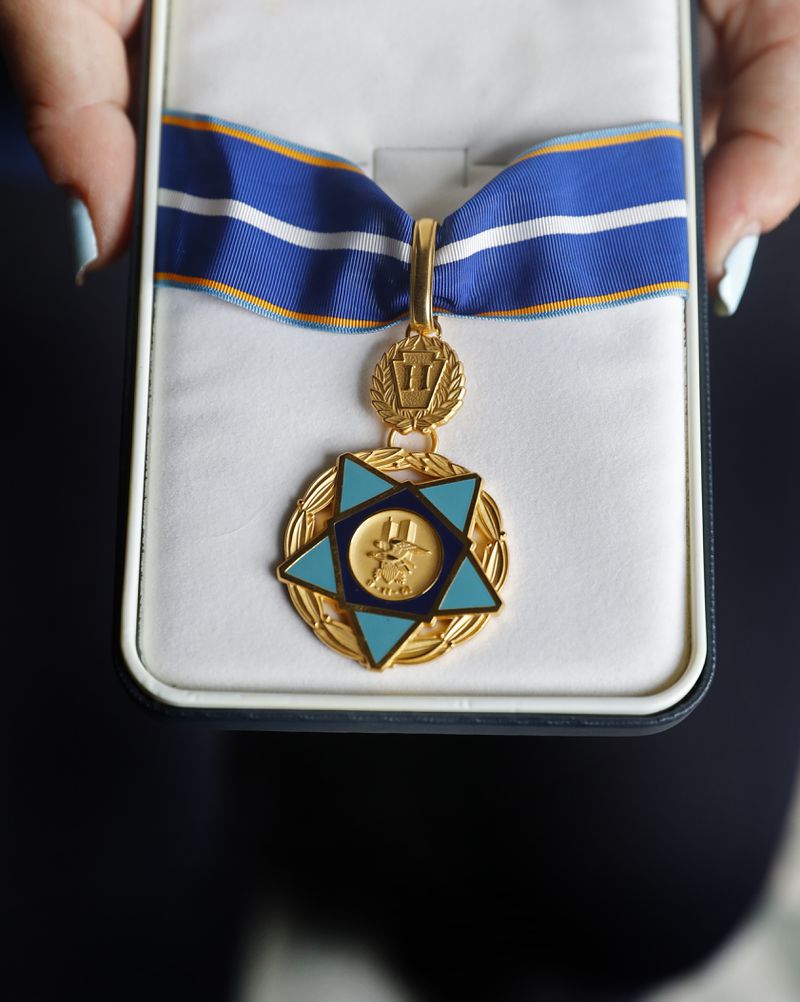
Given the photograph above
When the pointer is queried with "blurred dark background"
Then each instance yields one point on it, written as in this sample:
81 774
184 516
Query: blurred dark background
477 868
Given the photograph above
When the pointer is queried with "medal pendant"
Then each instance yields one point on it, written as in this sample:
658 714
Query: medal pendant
391 556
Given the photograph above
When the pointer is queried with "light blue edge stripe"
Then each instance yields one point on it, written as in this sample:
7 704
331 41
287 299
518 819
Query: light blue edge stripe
258 134
228 297
344 329
571 137
619 130
586 308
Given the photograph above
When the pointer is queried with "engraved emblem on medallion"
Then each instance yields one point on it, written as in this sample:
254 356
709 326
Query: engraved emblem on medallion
396 555
416 377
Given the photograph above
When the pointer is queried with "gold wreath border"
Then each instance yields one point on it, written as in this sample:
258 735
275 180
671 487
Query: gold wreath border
308 520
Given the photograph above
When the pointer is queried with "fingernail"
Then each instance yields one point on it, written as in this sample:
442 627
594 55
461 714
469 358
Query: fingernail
84 241
735 273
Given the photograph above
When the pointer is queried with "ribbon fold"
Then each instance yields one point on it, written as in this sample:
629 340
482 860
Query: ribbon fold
576 223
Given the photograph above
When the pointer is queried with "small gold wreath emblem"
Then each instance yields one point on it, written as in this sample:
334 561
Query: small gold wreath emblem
418 384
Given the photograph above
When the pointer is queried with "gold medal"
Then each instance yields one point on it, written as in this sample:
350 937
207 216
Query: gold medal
391 556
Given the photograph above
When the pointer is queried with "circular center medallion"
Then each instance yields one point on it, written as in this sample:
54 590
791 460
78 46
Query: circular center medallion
395 554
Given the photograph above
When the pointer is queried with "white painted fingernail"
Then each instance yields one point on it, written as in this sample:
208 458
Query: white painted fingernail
736 271
84 241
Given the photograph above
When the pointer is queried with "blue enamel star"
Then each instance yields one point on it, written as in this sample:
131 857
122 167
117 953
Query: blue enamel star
389 604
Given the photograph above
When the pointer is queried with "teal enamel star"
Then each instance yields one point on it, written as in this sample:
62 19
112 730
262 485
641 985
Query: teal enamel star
397 559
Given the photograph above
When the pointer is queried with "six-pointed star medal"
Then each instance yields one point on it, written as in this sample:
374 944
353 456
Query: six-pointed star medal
395 556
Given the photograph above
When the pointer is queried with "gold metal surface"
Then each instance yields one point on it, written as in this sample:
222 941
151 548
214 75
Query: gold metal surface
395 554
431 433
423 250
330 625
418 384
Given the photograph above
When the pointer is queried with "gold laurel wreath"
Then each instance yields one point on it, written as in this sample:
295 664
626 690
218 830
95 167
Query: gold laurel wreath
446 400
315 509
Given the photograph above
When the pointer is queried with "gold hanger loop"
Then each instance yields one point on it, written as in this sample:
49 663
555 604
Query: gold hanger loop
423 249
431 433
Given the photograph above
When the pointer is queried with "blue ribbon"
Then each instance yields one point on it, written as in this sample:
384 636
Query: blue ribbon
576 223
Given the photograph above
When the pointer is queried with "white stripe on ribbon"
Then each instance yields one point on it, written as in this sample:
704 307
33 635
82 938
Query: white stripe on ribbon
530 229
369 243
375 243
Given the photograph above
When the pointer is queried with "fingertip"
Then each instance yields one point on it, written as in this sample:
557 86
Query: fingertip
726 210
110 185
91 153
750 187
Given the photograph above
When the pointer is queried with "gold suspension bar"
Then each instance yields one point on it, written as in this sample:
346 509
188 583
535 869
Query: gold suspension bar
423 248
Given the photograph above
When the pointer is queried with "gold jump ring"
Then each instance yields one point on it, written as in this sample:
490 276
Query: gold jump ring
432 435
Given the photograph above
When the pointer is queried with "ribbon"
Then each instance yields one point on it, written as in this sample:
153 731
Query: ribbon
576 223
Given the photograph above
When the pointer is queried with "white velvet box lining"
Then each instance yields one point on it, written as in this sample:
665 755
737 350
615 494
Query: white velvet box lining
578 423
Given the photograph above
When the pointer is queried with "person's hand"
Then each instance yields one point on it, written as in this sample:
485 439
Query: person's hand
69 61
751 131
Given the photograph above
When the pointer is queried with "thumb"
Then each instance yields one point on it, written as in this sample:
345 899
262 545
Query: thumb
753 172
69 63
